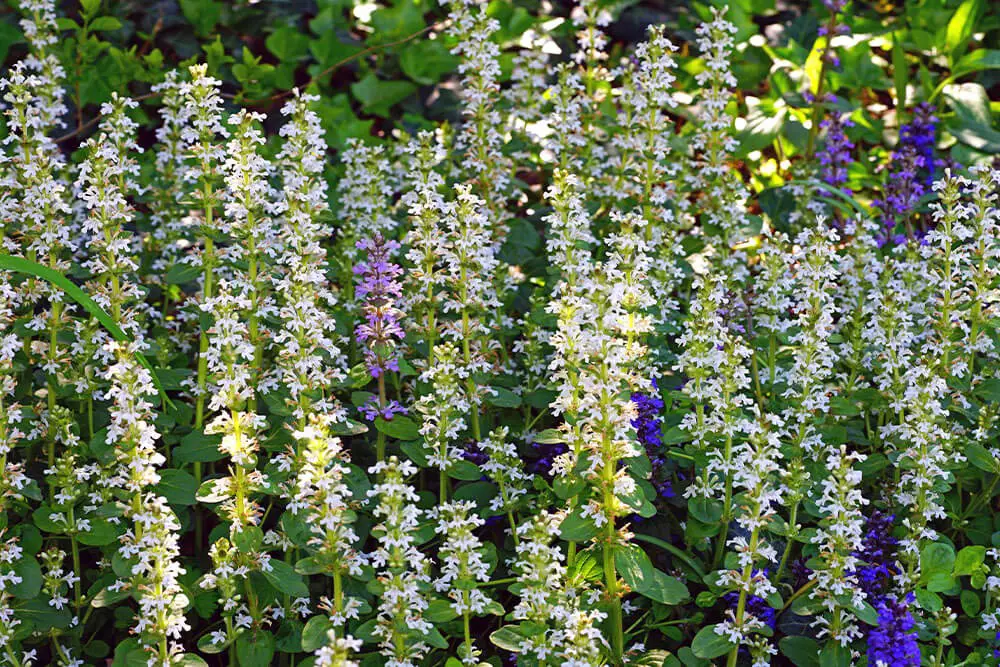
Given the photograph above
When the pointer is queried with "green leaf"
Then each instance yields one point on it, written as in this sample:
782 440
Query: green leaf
802 651
9 35
969 561
936 563
365 630
708 644
467 471
202 14
639 574
508 638
971 604
101 532
971 103
123 649
706 510
502 398
937 558
198 447
206 644
107 597
42 518
177 486
567 486
173 377
105 23
436 639
576 527
255 649
989 389
329 50
287 43
288 638
285 579
96 649
977 136
348 427
26 266
900 70
377 96
549 436
215 54
426 61
210 493
763 125
396 22
961 25
249 539
41 615
30 572
416 452
339 120
440 611
479 492
834 655
980 457
585 568
314 634
814 63
399 427
866 613
976 61
309 566
637 500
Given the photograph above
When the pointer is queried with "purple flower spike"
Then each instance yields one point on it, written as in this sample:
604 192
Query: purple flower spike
370 409
878 553
913 167
380 289
894 641
836 154
647 427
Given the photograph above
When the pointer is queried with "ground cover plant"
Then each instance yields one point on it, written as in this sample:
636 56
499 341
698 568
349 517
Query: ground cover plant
488 334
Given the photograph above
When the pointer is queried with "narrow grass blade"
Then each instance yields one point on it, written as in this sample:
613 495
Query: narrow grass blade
53 277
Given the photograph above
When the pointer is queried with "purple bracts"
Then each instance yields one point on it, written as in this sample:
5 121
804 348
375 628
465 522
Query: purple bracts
380 290
836 155
913 166
894 642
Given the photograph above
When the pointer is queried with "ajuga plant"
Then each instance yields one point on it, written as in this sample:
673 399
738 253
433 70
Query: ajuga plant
550 383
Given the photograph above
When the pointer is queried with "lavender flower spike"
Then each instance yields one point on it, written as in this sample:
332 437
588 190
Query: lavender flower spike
381 291
894 642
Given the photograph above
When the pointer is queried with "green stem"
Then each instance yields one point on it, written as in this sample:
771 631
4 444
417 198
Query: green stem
817 113
77 570
611 582
338 592
466 627
790 540
498 582
380 436
799 593
690 562
253 326
727 512
741 604
208 260
90 416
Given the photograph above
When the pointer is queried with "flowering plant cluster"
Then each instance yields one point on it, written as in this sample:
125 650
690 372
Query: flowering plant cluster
557 383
